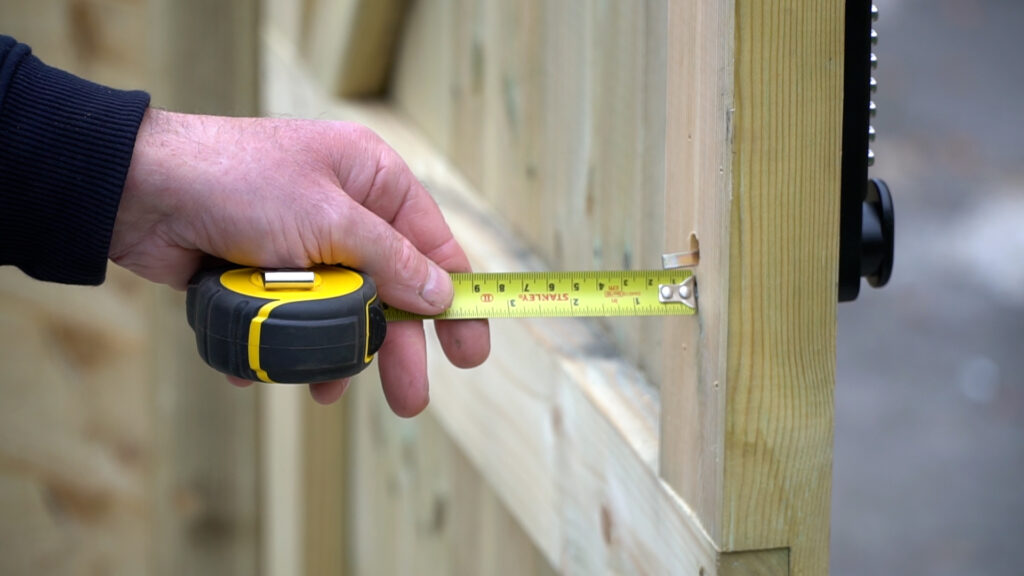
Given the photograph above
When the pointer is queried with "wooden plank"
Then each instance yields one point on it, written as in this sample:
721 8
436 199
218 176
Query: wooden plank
282 486
206 511
648 215
418 505
581 429
784 234
126 449
102 40
747 435
77 443
628 158
424 73
286 18
487 539
203 58
699 88
521 96
402 476
755 97
350 44
401 488
325 488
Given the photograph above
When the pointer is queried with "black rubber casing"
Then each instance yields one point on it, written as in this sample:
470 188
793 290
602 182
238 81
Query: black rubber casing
300 342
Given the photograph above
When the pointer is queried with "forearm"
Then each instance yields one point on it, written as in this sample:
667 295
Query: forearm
66 147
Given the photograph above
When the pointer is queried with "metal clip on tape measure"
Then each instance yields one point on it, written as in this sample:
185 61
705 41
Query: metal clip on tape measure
286 326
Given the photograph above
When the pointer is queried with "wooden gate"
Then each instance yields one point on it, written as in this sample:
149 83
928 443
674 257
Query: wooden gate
585 134
555 134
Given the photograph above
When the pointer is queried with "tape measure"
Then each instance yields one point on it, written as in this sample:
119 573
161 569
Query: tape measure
327 322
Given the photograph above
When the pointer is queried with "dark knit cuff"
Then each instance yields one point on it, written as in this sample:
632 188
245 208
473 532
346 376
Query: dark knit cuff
65 148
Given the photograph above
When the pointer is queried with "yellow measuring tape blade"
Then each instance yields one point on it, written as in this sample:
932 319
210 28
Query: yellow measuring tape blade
559 295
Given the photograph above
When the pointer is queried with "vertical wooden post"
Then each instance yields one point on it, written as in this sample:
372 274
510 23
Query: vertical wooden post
325 488
203 58
350 43
754 134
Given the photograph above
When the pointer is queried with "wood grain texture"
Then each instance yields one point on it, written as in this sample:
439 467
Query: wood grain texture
752 108
287 18
325 488
579 424
414 503
424 78
554 112
203 58
755 109
349 44
102 40
699 87
119 449
418 506
203 55
206 507
282 465
784 233
77 440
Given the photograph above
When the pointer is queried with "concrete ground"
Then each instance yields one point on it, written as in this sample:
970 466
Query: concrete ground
929 457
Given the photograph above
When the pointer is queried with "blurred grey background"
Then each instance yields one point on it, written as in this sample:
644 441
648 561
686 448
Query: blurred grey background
929 456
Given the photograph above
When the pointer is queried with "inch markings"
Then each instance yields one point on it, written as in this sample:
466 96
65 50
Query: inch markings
559 295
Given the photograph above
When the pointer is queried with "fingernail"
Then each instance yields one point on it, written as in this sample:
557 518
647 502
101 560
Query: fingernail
438 290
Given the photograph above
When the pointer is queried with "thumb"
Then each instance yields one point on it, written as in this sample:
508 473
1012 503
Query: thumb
405 277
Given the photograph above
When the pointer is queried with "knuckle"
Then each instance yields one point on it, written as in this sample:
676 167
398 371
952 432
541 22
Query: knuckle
391 180
407 260
364 134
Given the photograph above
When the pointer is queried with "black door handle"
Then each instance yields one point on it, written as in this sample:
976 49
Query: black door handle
866 224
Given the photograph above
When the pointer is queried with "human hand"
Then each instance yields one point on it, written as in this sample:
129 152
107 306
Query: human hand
282 193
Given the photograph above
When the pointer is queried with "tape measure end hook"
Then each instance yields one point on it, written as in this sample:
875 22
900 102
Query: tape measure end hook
684 293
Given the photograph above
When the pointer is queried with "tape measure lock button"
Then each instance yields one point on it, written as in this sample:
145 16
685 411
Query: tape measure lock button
288 279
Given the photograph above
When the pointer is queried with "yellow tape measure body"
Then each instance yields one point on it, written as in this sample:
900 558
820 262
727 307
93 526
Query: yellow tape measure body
559 295
327 323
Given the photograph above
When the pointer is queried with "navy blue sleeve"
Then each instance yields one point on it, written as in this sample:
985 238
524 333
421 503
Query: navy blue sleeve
65 148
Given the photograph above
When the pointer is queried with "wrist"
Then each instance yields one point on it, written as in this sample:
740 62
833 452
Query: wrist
147 198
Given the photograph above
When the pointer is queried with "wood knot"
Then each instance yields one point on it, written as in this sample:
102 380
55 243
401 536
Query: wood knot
607 525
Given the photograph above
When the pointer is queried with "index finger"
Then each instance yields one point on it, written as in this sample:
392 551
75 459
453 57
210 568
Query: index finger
398 198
